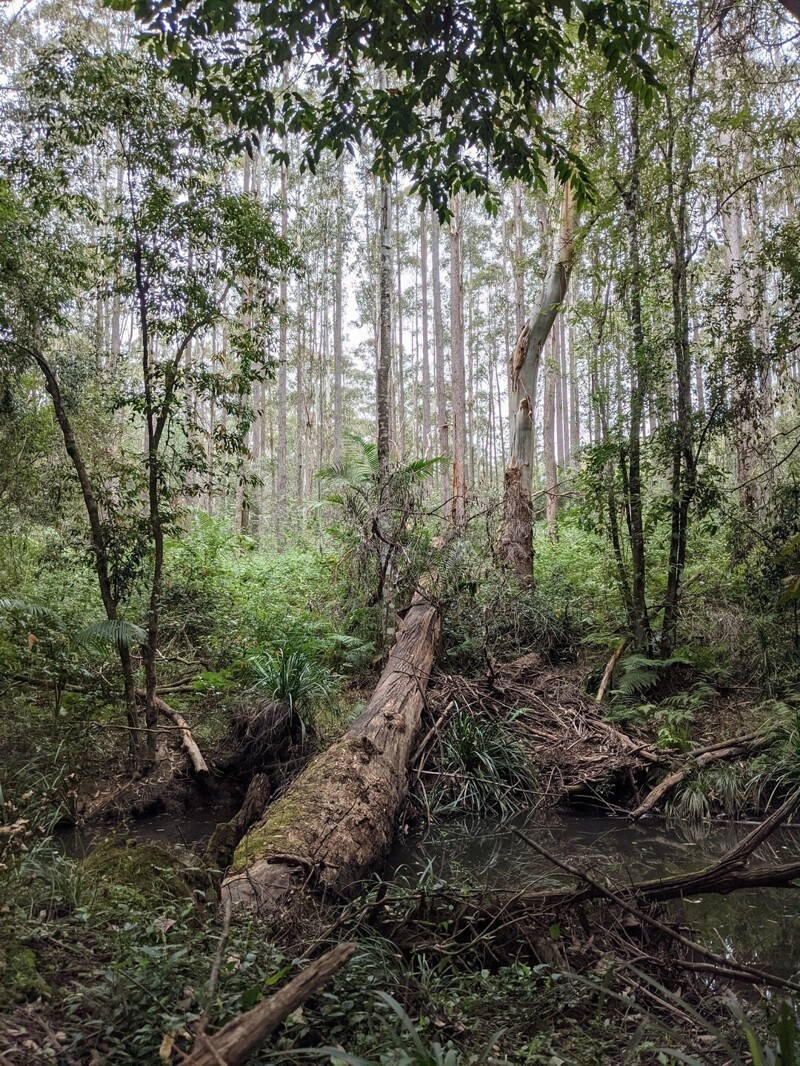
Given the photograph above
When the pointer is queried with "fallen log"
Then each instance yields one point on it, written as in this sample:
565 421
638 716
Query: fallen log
241 1036
697 761
337 818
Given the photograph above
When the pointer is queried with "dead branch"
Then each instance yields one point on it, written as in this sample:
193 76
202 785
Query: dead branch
195 756
718 964
697 761
609 671
241 1036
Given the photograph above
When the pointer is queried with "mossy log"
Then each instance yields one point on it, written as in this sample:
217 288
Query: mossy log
337 819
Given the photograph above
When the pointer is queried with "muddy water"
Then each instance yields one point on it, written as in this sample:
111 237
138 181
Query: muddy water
759 926
189 830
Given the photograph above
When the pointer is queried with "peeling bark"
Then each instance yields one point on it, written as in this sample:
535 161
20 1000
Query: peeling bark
516 547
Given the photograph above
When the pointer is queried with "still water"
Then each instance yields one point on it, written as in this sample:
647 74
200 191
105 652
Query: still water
759 926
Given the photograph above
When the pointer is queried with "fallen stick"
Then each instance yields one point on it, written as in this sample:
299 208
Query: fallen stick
241 1036
199 764
698 762
609 671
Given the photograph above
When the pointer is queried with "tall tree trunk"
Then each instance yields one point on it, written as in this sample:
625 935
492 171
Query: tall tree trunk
574 394
641 621
459 507
400 412
684 473
549 435
438 343
382 395
337 317
426 363
283 389
516 540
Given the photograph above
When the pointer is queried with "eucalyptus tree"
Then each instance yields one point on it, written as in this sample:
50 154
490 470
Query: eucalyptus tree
458 94
183 252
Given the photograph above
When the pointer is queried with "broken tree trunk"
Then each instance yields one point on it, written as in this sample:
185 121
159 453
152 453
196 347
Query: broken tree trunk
516 539
241 1036
336 820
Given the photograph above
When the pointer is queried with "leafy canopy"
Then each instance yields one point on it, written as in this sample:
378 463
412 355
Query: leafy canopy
465 79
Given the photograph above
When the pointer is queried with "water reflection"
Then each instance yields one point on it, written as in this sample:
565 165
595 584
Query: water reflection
757 926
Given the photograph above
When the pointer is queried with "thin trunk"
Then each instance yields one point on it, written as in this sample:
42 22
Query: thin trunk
641 621
549 436
426 364
337 319
438 342
99 550
282 373
459 507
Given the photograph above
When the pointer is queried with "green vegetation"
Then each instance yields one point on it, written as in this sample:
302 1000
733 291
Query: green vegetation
308 313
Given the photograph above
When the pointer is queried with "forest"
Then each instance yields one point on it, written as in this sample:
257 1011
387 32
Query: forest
399 532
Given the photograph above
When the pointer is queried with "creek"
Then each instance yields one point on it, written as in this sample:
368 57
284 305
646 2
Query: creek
759 926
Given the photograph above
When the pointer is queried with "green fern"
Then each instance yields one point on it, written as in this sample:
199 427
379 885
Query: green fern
36 612
640 673
110 633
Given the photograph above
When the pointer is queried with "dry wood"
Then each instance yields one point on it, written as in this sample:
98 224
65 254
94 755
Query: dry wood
241 1036
336 820
696 762
195 756
608 673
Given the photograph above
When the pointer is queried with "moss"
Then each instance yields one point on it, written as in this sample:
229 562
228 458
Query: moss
147 872
20 979
221 845
283 830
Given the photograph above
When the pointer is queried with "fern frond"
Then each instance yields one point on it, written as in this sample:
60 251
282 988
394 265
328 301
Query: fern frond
115 633
32 611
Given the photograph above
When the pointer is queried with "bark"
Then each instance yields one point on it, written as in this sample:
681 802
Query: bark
438 346
426 362
337 819
457 367
241 1036
516 540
